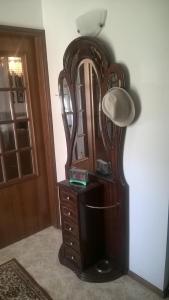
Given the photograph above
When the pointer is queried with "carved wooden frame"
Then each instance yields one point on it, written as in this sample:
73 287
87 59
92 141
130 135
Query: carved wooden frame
79 49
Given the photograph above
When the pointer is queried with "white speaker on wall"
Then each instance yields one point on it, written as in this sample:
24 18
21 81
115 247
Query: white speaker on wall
92 22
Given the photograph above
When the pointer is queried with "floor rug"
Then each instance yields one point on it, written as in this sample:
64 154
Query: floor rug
17 284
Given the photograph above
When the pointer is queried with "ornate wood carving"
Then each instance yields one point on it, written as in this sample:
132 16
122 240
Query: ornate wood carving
110 75
111 139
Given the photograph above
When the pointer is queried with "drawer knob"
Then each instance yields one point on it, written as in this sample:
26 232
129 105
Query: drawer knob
69 213
72 257
71 243
68 198
70 228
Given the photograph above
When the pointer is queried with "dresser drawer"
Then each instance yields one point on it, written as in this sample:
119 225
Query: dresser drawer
69 212
71 241
72 256
70 227
67 197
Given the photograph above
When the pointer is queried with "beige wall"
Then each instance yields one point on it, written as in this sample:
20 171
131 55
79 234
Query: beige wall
138 34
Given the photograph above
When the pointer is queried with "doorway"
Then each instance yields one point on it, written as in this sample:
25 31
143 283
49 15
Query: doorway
28 195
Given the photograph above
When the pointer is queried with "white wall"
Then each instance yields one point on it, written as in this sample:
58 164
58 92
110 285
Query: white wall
25 13
138 33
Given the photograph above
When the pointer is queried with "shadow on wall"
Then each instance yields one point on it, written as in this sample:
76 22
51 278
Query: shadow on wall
133 92
166 276
108 49
137 103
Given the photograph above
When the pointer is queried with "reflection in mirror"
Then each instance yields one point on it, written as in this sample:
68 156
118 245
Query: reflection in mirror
67 98
100 151
88 95
81 129
80 87
80 150
69 117
67 102
96 95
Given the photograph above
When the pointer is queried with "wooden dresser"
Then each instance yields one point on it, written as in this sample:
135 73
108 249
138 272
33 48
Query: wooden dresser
94 218
81 243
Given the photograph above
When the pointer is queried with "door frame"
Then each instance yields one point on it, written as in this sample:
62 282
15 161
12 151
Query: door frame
38 37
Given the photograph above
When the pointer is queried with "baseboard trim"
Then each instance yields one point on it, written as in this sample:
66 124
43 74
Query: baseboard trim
147 284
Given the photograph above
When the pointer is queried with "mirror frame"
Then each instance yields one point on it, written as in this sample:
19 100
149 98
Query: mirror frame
109 75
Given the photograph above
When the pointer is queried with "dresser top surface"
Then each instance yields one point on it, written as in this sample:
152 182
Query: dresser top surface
78 188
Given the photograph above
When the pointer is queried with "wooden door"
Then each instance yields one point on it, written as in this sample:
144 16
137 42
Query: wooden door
25 191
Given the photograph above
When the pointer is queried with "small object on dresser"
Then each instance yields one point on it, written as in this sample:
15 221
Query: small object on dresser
103 167
78 176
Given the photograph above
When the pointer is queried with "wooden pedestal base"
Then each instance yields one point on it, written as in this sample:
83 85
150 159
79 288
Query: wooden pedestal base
95 273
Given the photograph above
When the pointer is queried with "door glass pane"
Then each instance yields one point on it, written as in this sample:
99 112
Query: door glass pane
11 166
15 72
1 174
4 78
26 162
13 127
16 81
5 107
19 101
22 131
7 136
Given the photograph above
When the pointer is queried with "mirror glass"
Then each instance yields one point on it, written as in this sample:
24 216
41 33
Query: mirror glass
88 95
5 106
7 137
96 96
67 102
80 149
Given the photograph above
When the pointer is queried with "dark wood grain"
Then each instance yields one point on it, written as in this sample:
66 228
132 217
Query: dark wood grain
30 205
103 212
